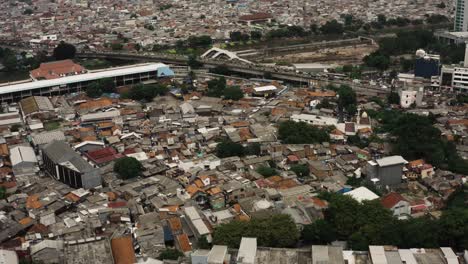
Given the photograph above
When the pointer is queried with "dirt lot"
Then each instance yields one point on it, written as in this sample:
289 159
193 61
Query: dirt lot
340 56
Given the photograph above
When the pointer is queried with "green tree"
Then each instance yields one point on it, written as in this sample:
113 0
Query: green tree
256 35
64 51
199 41
10 62
170 254
291 132
393 98
233 93
203 243
437 19
377 60
332 28
454 228
146 92
216 87
107 85
221 70
253 149
347 100
420 232
116 46
94 90
227 148
235 36
325 103
275 231
301 170
381 19
194 63
266 171
127 167
319 232
28 11
348 19
2 192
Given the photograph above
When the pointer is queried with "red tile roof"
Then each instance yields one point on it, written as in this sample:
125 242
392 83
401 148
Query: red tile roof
57 69
391 199
117 204
103 155
349 127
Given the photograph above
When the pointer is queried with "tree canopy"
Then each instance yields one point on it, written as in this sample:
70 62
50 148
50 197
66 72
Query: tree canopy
2 192
332 27
233 93
415 137
199 41
369 223
274 231
266 171
170 254
216 87
347 100
301 170
227 148
291 132
393 98
64 51
97 88
146 91
127 167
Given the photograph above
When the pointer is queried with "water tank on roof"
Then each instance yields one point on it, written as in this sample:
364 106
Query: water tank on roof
262 205
420 53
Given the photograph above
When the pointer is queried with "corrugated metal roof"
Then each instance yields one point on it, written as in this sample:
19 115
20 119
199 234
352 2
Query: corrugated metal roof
391 160
247 250
61 153
22 154
47 137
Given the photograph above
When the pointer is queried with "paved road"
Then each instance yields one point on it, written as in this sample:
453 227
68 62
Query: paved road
257 70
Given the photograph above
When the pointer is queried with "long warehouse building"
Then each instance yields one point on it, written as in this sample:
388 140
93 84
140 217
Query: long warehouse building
127 75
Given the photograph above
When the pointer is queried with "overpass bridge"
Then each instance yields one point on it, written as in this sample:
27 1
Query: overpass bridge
250 69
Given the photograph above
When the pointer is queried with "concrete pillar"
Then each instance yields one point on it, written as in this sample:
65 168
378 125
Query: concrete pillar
465 62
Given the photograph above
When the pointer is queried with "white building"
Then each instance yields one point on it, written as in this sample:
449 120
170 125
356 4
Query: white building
209 162
461 15
247 251
407 98
315 120
396 203
362 194
23 160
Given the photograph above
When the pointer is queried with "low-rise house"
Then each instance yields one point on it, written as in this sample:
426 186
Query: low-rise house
319 169
396 203
23 160
362 194
37 107
48 251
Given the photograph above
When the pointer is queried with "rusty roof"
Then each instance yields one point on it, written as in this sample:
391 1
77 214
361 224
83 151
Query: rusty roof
184 243
122 250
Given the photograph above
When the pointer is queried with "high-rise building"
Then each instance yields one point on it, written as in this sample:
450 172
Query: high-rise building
461 15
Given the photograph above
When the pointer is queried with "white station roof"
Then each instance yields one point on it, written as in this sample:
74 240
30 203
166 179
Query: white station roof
265 88
82 77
